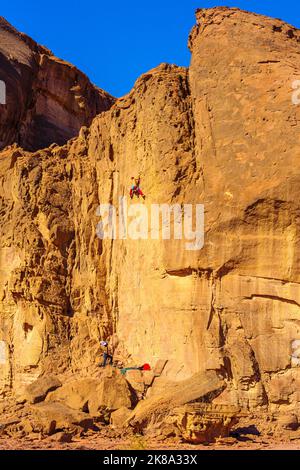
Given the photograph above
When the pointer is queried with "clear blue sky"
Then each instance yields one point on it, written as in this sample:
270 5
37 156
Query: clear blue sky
115 41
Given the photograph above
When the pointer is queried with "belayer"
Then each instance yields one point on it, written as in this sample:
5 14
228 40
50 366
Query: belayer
135 188
106 354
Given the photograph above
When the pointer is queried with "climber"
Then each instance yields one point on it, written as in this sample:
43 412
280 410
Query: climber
135 188
106 355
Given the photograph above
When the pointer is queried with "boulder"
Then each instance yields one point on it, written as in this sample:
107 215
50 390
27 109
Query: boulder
148 377
201 387
119 417
109 392
112 393
288 421
39 389
51 417
75 393
201 423
159 367
136 380
62 437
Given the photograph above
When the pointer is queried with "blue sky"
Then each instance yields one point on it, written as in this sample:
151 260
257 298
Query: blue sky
114 42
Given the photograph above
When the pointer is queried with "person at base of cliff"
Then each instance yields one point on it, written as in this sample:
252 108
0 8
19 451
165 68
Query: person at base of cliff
135 188
106 355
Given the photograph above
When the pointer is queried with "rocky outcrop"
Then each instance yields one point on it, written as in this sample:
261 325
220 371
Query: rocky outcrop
223 133
197 423
47 99
51 417
109 392
39 389
202 387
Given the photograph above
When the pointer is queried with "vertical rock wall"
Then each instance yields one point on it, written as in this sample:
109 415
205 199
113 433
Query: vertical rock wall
223 133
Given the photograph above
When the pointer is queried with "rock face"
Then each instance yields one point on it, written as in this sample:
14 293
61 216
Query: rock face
47 99
223 133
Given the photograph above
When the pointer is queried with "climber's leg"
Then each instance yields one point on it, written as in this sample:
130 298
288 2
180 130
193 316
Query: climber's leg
105 356
140 193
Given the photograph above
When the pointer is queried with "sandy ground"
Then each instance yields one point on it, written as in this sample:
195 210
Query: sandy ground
102 443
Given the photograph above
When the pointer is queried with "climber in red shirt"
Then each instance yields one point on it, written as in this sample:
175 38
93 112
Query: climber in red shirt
135 188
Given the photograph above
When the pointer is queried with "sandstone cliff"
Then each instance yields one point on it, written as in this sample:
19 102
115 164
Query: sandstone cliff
223 132
47 99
